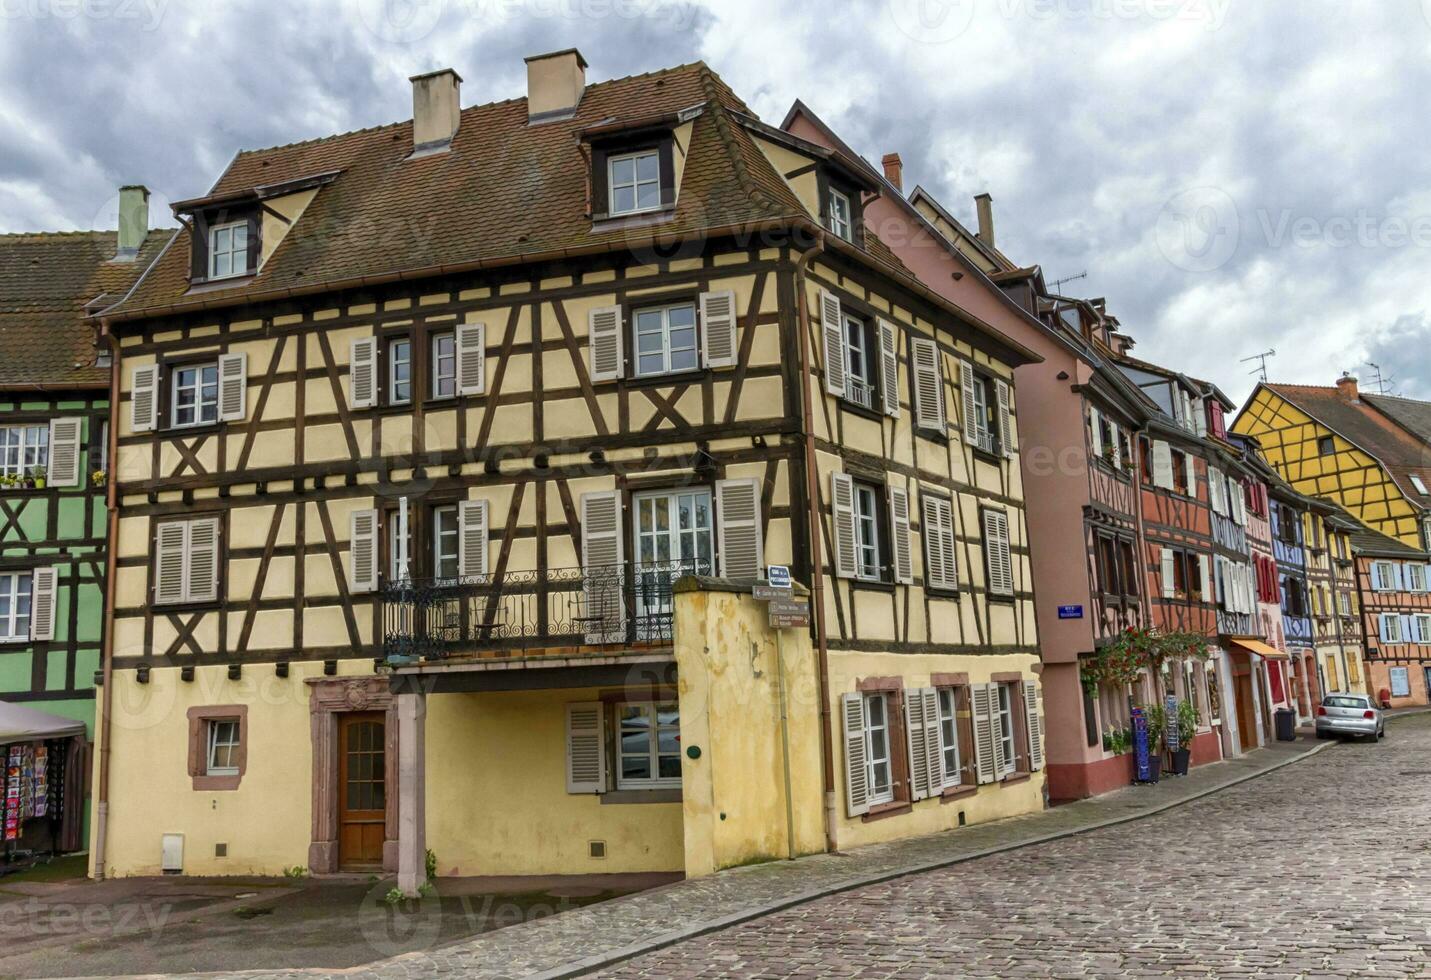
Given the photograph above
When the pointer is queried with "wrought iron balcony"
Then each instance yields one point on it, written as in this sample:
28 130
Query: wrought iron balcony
592 609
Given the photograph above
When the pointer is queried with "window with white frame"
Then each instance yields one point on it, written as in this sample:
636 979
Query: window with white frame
648 746
879 772
444 365
445 542
15 597
1415 577
228 250
1390 628
666 340
23 447
400 556
1004 728
949 735
840 219
861 362
867 533
223 751
1423 627
194 394
400 371
634 180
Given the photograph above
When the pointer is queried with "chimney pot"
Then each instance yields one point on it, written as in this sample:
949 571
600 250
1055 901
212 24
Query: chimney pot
894 170
133 221
985 205
436 110
555 83
1346 387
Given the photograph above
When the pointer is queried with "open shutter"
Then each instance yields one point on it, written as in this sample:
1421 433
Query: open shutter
934 745
738 518
1162 464
970 406
899 534
832 328
1216 491
998 559
917 741
986 745
603 578
202 583
1168 579
363 372
940 564
1204 571
718 325
1190 476
144 398
64 452
1095 431
472 539
852 713
585 748
889 368
1034 725
363 551
42 603
233 387
603 327
1006 438
471 342
928 385
169 563
842 507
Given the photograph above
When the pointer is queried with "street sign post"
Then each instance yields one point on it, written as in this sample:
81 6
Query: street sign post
778 576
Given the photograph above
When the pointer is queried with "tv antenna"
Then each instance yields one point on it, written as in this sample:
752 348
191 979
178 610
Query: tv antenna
1380 381
1261 360
1060 282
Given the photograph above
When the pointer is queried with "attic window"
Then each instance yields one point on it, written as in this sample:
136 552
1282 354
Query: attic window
635 181
839 218
1418 484
228 250
632 173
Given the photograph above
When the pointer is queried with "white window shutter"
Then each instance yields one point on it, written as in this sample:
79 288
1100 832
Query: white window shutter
202 576
928 384
916 741
472 539
1006 433
982 698
889 368
934 745
718 319
471 343
1191 469
741 543
603 327
42 603
585 748
940 563
233 387
1033 724
857 795
1215 488
601 559
144 398
1095 434
64 468
1167 568
832 328
363 551
1162 464
169 547
899 534
1204 571
970 407
1408 625
842 507
998 559
363 372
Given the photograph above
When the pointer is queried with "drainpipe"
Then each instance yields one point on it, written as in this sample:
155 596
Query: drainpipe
817 571
111 499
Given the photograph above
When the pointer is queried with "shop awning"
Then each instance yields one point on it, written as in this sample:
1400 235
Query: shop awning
21 724
1260 648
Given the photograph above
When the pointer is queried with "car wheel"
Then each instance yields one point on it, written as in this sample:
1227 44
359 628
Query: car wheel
1321 735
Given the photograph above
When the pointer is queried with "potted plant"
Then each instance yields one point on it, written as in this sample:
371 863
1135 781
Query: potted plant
38 476
97 478
1157 718
1187 730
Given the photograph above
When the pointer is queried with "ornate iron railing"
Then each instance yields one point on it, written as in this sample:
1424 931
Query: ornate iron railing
606 606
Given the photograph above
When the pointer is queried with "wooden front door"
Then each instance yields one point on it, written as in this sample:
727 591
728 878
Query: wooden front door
1246 714
362 789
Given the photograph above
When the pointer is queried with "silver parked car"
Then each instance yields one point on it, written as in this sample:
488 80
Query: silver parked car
1350 714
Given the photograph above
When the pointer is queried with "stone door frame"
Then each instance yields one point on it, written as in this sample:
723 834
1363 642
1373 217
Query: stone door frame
328 697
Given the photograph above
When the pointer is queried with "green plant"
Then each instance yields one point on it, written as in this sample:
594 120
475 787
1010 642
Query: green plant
430 861
297 871
1123 659
427 889
1157 718
38 475
1187 723
97 478
394 896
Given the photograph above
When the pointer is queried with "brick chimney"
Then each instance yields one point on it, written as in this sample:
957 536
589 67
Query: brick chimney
436 110
894 170
1346 388
133 221
555 83
985 205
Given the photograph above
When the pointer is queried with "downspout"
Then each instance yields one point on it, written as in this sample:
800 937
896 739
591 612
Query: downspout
817 570
111 500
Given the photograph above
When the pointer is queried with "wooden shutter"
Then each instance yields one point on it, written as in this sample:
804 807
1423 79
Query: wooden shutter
1095 434
899 534
1006 437
169 563
64 468
1162 464
1204 571
585 748
986 743
42 603
144 398
852 713
472 539
842 507
363 551
233 387
940 563
970 407
928 385
933 739
1216 491
998 559
832 328
1168 577
916 739
1191 475
1033 725
601 559
738 519
603 327
363 372
471 343
889 368
202 573
718 319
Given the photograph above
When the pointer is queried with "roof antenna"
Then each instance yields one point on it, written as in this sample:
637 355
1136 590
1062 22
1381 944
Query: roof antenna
1261 360
1060 282
1381 381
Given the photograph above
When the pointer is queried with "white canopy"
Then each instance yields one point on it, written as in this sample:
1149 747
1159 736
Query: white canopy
21 724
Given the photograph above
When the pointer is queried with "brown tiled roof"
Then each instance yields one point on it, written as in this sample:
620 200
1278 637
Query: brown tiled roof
1413 415
1366 541
45 282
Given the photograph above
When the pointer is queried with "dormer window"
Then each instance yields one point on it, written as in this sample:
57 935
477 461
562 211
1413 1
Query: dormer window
839 217
635 181
228 250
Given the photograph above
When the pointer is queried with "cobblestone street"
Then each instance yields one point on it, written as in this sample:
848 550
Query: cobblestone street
1319 869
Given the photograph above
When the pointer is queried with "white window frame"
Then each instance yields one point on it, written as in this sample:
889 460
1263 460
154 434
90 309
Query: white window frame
198 387
985 436
876 795
949 736
1403 674
1387 634
867 532
214 743
30 447
1415 577
651 711
1420 485
679 535
10 588
841 224
860 386
235 269
635 184
666 349
435 362
1004 718
393 361
439 536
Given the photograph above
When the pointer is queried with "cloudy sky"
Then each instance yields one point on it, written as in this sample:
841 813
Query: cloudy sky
1233 175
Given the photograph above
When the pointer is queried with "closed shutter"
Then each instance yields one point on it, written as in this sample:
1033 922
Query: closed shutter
363 372
603 327
604 579
472 539
889 368
471 341
144 398
1162 464
42 603
718 325
202 578
233 387
970 407
916 737
1216 491
1191 476
1204 572
1034 724
1239 501
1169 581
928 385
933 739
832 328
64 468
1095 432
842 507
169 563
1390 625
738 518
986 744
997 554
1006 436
940 566
585 748
899 535
852 714
1398 578
363 551
1408 626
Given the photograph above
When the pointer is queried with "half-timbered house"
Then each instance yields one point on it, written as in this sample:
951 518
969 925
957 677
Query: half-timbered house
1395 594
